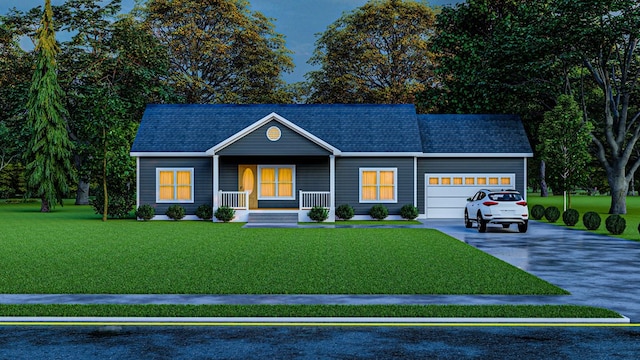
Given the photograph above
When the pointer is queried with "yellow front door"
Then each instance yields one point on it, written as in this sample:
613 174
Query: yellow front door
248 181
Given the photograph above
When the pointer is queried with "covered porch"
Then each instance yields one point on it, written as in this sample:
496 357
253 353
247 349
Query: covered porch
275 185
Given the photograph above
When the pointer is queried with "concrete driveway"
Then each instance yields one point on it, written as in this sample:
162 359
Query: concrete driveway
598 270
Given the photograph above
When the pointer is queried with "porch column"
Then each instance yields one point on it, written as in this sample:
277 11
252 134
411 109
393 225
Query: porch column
216 185
332 187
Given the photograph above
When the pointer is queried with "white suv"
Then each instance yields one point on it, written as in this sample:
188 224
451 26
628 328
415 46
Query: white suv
504 207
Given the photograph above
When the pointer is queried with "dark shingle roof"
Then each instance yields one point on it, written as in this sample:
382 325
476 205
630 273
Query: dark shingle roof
473 134
349 128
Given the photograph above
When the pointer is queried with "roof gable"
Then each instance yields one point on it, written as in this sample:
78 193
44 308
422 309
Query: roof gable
291 139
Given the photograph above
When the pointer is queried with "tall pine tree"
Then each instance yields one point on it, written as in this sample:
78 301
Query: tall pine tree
49 151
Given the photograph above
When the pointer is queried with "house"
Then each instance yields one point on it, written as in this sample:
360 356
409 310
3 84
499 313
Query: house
289 158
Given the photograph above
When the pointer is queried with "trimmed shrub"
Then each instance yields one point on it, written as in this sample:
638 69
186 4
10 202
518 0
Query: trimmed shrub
537 212
615 224
145 212
591 220
409 212
379 212
175 212
121 201
204 212
345 211
318 214
552 214
225 214
570 217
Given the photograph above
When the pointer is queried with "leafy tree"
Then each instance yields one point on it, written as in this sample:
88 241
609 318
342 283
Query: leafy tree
378 53
220 51
565 145
48 154
492 59
111 57
15 77
604 35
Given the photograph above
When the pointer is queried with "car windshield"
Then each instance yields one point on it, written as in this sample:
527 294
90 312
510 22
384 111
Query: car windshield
505 196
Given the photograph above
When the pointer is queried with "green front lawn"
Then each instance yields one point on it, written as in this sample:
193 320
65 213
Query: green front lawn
439 311
599 204
71 251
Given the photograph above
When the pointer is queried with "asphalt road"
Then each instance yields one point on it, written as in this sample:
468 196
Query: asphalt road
319 342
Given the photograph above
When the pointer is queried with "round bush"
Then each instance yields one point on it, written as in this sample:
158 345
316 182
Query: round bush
591 220
379 212
570 217
225 214
409 212
318 214
175 212
145 212
552 214
204 212
345 211
537 212
615 224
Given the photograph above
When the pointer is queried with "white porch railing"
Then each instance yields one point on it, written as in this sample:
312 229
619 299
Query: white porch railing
238 200
309 199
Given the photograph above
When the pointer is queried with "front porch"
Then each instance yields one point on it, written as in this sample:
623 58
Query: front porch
240 202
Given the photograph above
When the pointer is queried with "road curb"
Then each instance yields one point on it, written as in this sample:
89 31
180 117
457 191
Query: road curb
304 321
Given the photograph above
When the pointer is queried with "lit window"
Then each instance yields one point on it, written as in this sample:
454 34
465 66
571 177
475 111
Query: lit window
493 181
433 181
378 185
469 181
276 182
457 181
482 181
446 181
505 181
174 185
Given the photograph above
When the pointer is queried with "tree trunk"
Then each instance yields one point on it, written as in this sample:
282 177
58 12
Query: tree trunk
105 210
44 207
619 187
82 195
544 191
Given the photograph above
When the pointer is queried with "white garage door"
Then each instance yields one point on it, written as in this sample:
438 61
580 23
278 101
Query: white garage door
446 194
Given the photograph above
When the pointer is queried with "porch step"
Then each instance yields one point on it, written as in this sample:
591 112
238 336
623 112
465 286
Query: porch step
273 218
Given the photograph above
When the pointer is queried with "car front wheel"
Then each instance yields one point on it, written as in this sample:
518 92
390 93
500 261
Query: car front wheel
482 225
467 222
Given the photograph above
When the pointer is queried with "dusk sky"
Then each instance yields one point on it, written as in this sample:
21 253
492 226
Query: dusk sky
298 20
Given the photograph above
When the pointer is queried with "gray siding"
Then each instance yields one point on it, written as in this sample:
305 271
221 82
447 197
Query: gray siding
469 166
203 181
312 174
348 178
257 143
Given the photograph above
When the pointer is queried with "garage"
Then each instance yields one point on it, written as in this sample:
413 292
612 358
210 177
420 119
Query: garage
446 194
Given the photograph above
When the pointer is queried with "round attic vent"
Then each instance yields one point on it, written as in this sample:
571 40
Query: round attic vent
274 133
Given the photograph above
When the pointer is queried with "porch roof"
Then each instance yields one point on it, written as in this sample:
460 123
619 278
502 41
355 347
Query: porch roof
193 128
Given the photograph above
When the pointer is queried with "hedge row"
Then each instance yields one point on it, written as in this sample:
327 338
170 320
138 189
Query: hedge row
591 220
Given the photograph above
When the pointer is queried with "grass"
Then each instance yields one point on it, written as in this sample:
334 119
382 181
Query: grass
366 222
71 251
444 311
599 204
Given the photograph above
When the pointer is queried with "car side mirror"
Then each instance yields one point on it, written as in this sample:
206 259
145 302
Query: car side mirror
469 199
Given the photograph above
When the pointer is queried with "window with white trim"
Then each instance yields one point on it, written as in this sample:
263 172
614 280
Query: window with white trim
174 185
378 185
276 182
